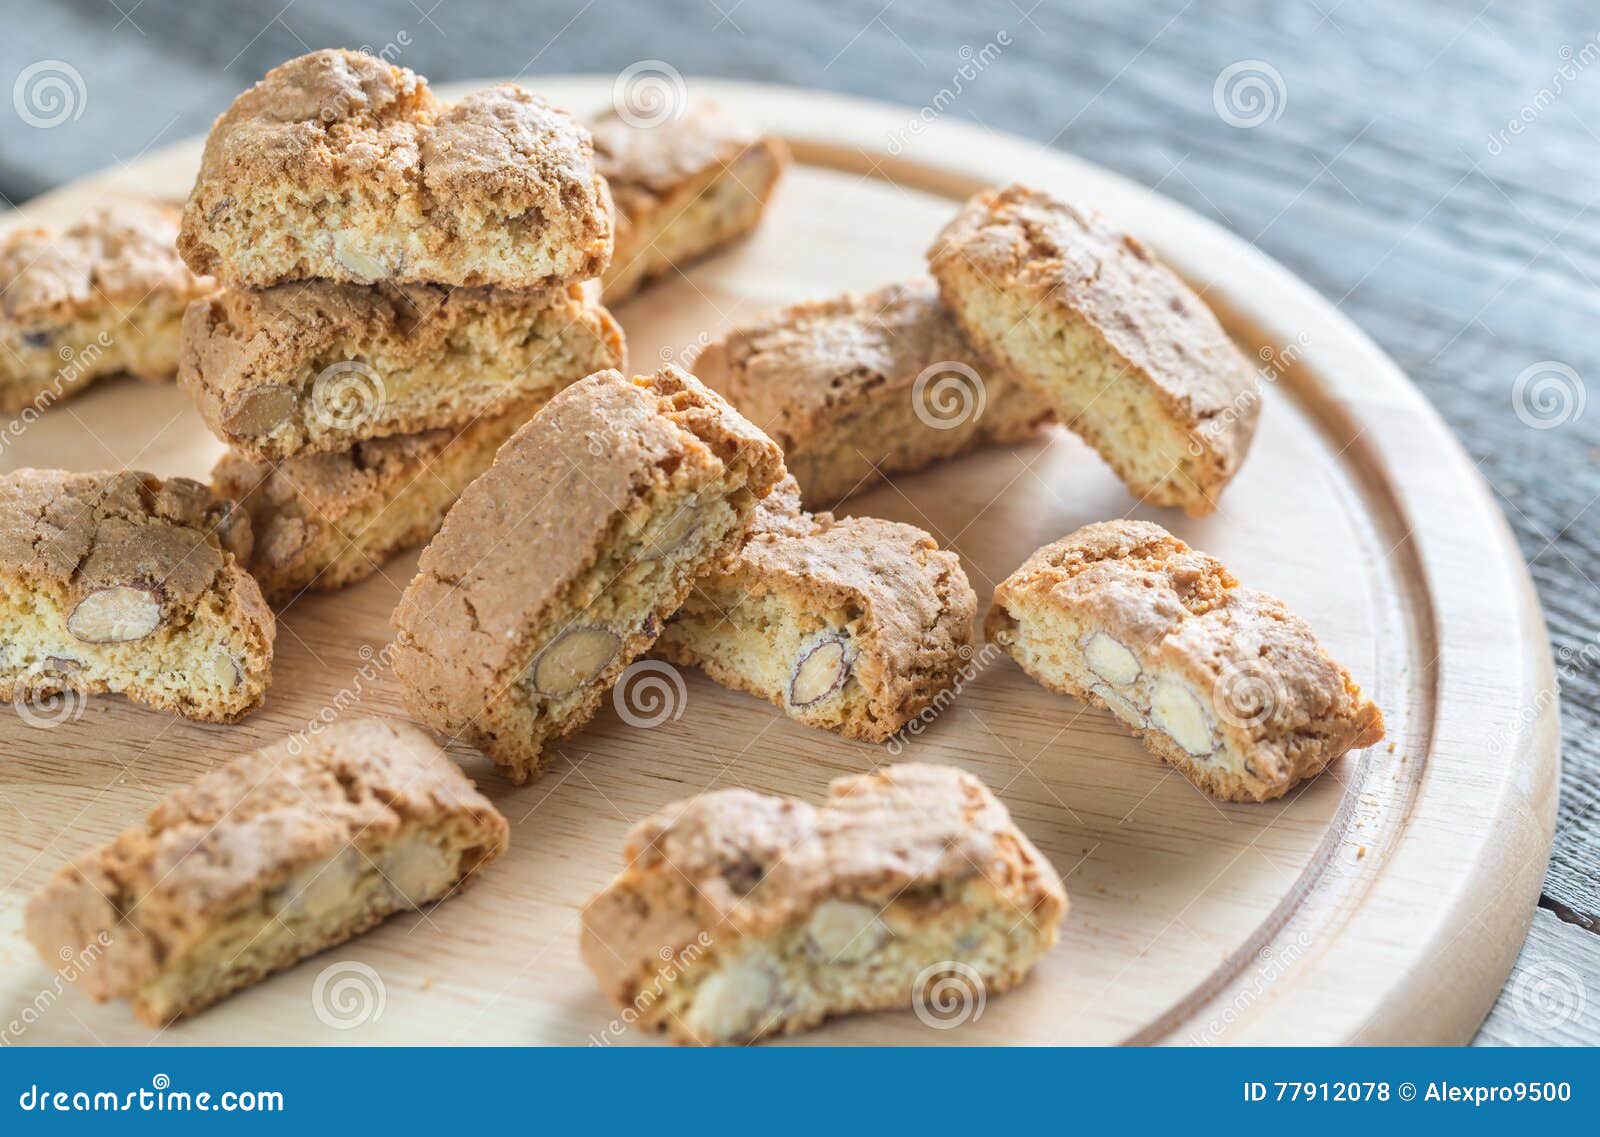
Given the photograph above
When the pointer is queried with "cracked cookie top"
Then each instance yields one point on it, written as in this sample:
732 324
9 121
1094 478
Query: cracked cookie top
86 532
117 255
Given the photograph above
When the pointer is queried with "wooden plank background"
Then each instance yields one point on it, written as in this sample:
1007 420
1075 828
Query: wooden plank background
1382 167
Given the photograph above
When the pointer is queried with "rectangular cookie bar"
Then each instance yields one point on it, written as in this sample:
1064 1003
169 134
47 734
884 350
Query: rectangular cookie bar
102 297
558 567
738 915
1222 681
339 166
860 387
325 521
1127 355
278 855
124 583
683 187
849 624
319 367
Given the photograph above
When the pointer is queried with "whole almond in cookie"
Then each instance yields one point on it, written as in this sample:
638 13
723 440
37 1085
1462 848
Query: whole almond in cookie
1220 680
558 567
849 624
276 856
128 584
738 916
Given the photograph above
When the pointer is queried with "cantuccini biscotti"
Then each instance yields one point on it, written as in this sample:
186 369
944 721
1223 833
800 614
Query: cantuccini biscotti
773 916
683 188
860 387
318 367
339 166
124 583
1126 354
324 521
276 856
1222 681
850 624
101 297
560 564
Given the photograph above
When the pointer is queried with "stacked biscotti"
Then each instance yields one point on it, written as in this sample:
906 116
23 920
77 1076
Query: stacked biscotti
404 283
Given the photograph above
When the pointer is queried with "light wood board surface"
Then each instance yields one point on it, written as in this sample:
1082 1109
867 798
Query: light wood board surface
1382 903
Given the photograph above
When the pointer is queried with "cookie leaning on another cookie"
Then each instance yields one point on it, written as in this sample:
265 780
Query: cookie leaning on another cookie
1127 355
851 624
104 296
861 386
738 915
276 856
683 188
318 367
560 565
339 166
124 583
1220 680
324 521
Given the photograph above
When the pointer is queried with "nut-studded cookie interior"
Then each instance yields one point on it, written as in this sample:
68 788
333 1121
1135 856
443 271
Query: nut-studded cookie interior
851 624
318 367
123 583
1221 680
740 916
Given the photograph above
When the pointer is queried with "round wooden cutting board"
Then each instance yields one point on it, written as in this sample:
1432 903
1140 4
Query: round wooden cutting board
1382 903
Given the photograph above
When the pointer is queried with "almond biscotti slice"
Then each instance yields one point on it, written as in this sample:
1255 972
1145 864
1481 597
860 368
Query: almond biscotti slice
559 566
325 521
860 387
319 367
280 854
125 583
738 915
851 624
102 297
683 188
1222 681
339 166
1127 355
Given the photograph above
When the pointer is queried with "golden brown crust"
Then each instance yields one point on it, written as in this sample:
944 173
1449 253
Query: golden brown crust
325 521
170 549
104 295
1018 252
318 367
836 383
522 537
161 888
339 166
736 866
902 604
682 188
1277 706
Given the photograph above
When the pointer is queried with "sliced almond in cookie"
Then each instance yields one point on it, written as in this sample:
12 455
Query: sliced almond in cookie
573 660
118 614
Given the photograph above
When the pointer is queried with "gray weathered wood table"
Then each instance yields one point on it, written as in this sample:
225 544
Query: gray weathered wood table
1430 167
